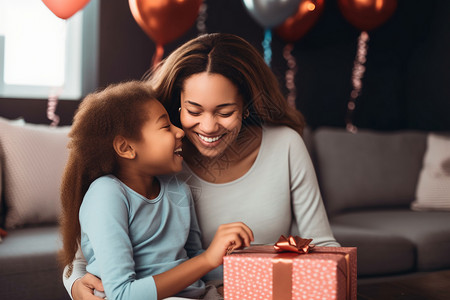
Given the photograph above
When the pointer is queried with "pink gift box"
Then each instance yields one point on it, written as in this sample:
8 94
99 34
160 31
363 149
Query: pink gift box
259 272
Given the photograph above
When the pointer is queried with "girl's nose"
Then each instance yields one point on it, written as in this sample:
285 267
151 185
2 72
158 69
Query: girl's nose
179 133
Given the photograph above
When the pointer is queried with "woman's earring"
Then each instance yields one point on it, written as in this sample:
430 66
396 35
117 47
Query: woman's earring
246 114
179 110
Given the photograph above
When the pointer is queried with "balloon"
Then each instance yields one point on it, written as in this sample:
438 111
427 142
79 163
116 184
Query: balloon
164 20
64 9
302 21
367 14
270 13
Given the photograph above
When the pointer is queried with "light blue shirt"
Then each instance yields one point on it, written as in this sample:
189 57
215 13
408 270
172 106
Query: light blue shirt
126 238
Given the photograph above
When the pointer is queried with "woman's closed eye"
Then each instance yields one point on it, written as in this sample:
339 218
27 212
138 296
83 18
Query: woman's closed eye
220 114
226 114
193 113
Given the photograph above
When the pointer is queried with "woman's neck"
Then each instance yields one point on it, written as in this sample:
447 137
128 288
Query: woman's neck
233 163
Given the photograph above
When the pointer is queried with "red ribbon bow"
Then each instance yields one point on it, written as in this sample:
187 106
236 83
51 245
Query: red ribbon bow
293 244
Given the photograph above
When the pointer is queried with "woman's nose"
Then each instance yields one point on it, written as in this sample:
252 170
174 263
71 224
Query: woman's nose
208 124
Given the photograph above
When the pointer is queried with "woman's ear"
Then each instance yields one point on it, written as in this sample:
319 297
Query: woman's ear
123 148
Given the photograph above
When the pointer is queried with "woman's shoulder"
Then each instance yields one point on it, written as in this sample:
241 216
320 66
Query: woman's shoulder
280 132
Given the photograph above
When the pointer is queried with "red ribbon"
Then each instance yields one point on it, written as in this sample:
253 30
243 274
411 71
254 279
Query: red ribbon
293 244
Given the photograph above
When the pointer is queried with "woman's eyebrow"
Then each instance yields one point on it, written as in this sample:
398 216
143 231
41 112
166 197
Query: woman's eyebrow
218 106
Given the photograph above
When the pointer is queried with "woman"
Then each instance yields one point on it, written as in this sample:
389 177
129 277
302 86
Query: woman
244 158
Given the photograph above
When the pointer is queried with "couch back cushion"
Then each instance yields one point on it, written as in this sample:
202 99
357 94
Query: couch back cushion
1 193
33 159
368 169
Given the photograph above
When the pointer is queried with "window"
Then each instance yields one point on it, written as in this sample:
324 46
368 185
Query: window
41 54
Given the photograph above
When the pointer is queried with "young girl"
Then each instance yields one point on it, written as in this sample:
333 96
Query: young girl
136 224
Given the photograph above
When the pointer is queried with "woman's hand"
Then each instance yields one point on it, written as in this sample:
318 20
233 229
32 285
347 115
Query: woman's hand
228 237
83 288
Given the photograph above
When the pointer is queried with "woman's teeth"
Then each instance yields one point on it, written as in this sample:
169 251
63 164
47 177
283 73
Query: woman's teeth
208 139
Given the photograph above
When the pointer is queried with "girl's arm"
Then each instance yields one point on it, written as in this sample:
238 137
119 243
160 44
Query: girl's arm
234 235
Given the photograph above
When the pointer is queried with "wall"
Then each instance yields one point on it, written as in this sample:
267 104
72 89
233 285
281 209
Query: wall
406 83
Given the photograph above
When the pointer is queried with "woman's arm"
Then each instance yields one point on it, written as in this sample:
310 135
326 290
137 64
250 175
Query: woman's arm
307 204
80 285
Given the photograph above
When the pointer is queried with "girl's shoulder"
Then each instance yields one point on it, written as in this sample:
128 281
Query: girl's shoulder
105 182
174 183
176 189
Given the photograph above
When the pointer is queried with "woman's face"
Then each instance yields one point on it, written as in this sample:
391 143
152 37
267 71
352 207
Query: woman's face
211 112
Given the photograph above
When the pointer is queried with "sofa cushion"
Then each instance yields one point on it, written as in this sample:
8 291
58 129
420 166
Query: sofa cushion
19 121
379 252
433 189
368 169
29 268
429 231
1 195
34 157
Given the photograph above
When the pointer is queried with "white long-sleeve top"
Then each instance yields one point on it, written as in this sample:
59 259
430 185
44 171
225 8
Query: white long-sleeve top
278 195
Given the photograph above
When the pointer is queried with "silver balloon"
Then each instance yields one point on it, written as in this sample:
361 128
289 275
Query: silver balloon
270 13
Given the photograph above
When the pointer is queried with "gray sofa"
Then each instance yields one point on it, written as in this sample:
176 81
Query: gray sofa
368 181
32 158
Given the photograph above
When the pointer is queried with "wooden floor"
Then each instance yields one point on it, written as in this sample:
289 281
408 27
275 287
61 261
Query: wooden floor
431 286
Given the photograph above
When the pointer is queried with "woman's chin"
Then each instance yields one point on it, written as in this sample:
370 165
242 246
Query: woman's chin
210 153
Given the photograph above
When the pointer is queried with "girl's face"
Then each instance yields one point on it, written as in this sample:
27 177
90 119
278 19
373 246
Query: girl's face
159 149
211 112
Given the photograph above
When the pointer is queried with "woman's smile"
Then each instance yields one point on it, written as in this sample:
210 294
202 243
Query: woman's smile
210 140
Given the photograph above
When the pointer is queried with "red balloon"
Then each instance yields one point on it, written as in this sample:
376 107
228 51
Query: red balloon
296 26
367 14
165 20
64 9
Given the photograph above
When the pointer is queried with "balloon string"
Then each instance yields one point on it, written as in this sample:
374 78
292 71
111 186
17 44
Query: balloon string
290 74
266 46
52 103
158 55
201 19
357 75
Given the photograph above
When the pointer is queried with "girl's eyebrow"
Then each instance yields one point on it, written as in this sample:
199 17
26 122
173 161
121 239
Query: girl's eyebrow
164 116
218 106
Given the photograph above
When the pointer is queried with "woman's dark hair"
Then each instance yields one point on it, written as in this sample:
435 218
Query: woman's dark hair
238 61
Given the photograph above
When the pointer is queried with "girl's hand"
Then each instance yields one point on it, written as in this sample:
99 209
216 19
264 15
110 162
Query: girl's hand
228 237
83 288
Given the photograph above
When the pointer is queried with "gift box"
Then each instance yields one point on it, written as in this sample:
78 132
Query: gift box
259 272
